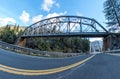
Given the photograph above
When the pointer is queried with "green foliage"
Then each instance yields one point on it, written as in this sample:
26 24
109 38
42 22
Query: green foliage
110 7
59 44
10 35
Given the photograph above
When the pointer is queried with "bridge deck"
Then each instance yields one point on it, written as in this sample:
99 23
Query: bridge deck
71 34
89 34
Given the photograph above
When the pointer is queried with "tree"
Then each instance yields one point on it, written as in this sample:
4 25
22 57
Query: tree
59 44
112 12
10 35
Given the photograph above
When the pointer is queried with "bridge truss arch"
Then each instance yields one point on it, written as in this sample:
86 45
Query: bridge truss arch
66 26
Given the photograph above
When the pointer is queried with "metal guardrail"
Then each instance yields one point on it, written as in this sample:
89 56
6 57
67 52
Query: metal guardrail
112 51
29 51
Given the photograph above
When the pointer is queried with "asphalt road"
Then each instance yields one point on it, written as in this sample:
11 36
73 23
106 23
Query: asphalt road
101 66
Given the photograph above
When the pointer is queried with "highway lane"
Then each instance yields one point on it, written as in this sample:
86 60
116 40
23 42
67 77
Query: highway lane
20 61
28 62
101 66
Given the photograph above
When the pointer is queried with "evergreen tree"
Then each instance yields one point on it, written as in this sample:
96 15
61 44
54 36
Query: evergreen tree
59 44
112 12
10 35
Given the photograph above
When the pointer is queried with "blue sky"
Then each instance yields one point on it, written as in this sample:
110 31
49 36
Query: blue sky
26 12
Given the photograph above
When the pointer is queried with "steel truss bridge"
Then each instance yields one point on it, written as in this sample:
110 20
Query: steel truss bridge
63 26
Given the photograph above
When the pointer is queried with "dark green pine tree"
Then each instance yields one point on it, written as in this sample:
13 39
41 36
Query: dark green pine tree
112 12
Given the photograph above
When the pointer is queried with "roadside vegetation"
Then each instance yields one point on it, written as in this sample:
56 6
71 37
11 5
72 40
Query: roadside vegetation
59 44
10 34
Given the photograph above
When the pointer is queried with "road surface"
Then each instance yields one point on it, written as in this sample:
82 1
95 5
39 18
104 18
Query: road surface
18 66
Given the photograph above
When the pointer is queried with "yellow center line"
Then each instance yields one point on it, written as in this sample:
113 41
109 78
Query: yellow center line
41 72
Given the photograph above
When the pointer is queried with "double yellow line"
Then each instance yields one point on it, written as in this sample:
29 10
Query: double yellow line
40 72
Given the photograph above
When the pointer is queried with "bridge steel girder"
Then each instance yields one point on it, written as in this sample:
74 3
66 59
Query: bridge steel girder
64 25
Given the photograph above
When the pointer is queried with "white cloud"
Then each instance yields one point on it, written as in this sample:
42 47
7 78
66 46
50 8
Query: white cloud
5 21
55 14
37 18
57 4
40 17
79 14
25 17
48 4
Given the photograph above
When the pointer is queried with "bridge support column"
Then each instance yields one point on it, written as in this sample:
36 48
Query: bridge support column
22 42
106 42
111 42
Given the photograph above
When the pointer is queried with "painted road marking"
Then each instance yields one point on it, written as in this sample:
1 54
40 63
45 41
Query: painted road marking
41 72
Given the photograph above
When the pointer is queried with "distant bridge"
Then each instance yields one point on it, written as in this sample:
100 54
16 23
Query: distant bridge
63 26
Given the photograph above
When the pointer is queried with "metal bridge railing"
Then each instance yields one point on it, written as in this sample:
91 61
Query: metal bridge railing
29 51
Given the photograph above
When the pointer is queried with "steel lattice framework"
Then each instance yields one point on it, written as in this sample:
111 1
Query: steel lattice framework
66 26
